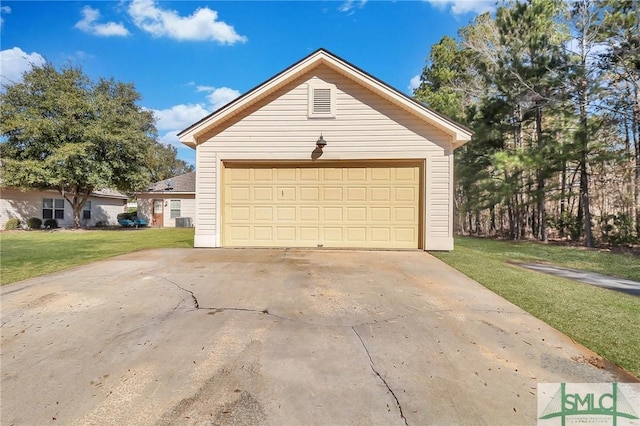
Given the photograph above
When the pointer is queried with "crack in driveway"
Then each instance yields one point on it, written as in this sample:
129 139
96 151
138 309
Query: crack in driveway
193 296
377 373
217 309
265 311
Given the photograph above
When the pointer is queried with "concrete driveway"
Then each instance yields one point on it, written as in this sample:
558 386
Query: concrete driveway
224 336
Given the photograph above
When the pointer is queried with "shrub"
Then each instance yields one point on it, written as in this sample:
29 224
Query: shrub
616 229
128 215
12 224
101 224
50 224
34 223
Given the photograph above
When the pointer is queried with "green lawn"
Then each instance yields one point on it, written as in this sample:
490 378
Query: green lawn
26 254
606 321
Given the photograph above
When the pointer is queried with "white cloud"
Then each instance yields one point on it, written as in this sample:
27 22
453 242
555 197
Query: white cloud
350 5
171 138
172 120
461 7
202 25
89 25
414 83
15 62
6 10
221 96
179 116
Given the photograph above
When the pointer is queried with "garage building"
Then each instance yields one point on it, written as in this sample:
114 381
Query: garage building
324 155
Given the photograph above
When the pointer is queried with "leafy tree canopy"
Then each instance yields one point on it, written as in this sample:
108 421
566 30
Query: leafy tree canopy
164 163
64 131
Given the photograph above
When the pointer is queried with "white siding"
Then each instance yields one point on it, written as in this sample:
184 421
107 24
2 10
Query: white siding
439 201
144 208
187 207
278 128
24 205
206 198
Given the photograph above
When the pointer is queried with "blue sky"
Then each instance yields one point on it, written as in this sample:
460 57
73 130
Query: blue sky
188 58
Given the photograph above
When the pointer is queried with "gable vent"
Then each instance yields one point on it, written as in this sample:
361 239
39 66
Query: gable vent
322 100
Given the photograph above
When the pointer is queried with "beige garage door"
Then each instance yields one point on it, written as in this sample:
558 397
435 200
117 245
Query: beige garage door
360 206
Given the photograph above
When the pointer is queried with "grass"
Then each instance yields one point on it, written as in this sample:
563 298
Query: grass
26 254
605 321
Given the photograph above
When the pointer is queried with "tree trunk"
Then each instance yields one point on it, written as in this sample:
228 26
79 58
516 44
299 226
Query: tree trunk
584 177
540 190
77 197
563 201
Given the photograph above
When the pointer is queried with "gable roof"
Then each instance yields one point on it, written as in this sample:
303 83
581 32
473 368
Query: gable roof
109 193
459 134
185 183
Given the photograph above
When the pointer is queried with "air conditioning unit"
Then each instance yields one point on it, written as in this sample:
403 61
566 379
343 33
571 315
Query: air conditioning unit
183 222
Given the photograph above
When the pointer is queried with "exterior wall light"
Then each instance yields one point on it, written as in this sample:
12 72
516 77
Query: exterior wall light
321 143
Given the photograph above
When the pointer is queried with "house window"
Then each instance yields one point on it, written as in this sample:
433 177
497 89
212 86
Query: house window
322 100
175 208
86 210
53 208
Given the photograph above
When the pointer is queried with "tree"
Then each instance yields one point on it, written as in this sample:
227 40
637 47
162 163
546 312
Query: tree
164 163
65 131
620 23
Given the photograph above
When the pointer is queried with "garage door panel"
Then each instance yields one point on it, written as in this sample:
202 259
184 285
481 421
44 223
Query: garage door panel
263 233
357 193
240 233
285 233
285 214
332 234
239 175
356 175
332 194
310 214
370 206
310 194
239 193
263 175
332 214
240 213
405 214
381 235
310 234
380 194
405 174
309 175
381 174
405 234
332 174
261 193
380 214
263 213
356 214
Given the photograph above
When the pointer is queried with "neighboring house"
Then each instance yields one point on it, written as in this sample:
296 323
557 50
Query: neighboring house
383 180
101 208
170 202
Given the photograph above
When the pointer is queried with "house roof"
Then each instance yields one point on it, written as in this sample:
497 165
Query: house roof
185 183
109 193
459 134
